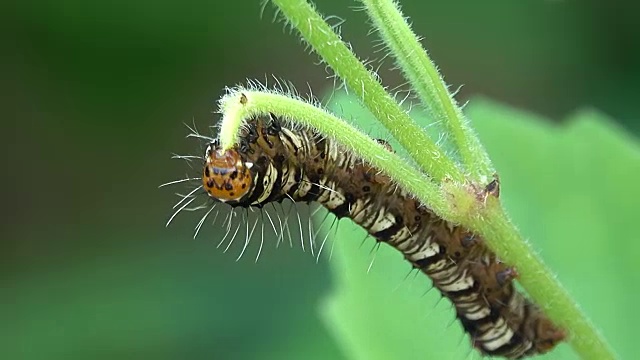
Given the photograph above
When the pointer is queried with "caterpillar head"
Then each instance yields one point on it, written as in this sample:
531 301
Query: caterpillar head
226 176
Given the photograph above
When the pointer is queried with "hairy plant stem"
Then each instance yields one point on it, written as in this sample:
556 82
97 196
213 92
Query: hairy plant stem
329 45
426 81
453 202
540 283
452 199
241 104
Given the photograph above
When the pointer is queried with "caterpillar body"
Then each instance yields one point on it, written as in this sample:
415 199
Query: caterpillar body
274 161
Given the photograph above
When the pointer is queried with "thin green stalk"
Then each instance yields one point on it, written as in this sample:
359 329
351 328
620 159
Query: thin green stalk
320 35
241 104
500 235
460 205
540 283
427 82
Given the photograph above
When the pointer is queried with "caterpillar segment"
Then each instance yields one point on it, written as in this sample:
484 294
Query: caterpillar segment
273 162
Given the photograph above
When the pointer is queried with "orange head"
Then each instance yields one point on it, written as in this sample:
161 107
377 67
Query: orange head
226 177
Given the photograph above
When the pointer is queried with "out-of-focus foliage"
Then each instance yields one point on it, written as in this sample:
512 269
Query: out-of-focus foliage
94 97
572 189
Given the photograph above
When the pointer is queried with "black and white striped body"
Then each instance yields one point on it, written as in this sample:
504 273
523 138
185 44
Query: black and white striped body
299 165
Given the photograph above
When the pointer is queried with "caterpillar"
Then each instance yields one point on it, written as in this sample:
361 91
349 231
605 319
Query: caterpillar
274 160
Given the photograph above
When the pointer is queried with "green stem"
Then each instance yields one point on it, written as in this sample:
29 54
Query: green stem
241 104
540 283
500 235
320 35
425 79
459 206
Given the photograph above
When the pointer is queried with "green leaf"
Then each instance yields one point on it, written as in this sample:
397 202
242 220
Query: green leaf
572 190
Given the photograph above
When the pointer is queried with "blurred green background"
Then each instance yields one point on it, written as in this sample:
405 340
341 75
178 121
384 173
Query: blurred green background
94 100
